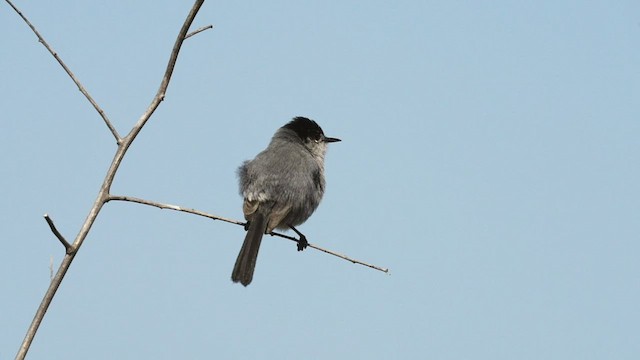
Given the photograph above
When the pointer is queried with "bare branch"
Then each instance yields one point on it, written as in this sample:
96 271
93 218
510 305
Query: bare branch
199 30
73 77
103 194
55 231
236 222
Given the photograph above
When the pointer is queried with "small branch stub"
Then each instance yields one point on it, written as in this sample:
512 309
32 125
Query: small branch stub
55 231
199 30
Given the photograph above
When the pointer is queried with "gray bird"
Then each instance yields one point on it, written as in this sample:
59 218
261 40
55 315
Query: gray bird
282 186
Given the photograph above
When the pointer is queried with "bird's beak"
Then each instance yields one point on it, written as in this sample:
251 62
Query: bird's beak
330 139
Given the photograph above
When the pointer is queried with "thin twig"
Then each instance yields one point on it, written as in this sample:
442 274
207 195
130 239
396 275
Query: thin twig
199 30
376 267
216 217
55 231
73 77
103 194
172 207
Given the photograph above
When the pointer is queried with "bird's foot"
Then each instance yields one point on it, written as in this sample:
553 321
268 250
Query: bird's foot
302 243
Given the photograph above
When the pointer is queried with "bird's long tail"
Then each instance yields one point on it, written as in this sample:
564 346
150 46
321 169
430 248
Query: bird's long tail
246 261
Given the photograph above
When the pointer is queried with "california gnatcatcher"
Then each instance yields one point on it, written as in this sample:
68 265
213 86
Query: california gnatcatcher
281 187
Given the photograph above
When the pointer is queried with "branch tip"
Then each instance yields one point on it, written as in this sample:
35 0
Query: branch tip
86 94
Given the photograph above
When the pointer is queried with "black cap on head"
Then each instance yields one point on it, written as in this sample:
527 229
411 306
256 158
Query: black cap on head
307 129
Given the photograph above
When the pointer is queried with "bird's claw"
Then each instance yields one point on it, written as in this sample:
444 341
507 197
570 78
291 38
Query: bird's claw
302 243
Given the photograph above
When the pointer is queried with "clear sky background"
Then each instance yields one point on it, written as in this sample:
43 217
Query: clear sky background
490 158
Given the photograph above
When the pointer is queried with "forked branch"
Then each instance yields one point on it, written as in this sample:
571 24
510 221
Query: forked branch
103 194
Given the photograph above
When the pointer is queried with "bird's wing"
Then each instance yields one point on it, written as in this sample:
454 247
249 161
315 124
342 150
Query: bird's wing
276 216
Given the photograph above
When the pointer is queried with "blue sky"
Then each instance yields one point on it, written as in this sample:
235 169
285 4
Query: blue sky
489 158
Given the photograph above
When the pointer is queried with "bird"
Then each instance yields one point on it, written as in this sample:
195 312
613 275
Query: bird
281 187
